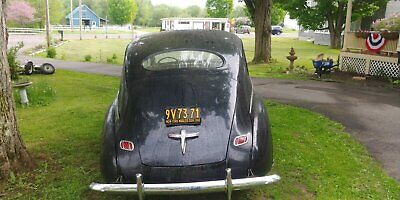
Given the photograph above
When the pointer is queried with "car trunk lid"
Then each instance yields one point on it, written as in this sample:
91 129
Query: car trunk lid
162 145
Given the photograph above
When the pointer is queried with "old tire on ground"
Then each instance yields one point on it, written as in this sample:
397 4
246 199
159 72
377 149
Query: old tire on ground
47 68
28 69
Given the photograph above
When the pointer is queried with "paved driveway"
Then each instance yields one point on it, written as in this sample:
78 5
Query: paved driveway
370 114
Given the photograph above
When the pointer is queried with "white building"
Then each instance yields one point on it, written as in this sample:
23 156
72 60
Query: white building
170 24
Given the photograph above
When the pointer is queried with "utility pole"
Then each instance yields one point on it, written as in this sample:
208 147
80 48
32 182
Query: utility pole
48 23
106 27
348 24
80 19
71 18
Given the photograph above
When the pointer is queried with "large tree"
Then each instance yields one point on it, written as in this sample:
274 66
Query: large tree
194 11
13 154
145 11
260 12
240 11
57 12
219 8
20 12
122 11
98 6
330 15
278 14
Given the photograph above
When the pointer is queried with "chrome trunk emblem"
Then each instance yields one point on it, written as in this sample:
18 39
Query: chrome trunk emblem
183 136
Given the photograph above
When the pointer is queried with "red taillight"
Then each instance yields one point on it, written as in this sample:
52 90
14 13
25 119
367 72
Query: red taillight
240 140
126 145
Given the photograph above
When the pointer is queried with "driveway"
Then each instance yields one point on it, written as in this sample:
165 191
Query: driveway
370 114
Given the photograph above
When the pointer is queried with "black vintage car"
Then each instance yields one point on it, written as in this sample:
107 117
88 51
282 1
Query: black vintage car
186 119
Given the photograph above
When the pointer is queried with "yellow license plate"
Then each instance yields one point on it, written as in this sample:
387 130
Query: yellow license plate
182 116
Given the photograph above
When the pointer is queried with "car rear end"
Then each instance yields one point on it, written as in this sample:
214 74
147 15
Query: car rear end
178 126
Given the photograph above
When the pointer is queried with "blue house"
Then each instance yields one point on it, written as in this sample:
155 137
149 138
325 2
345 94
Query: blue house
89 17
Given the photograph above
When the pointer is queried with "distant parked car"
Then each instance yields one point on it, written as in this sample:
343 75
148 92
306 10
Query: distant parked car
243 29
276 30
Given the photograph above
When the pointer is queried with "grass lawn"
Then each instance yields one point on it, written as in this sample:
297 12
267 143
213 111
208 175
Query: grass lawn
316 160
98 49
101 49
305 51
148 29
289 30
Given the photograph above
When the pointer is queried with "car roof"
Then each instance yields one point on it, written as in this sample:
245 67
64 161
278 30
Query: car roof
221 42
227 45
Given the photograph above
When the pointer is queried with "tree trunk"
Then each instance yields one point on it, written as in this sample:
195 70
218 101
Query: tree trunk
262 22
13 154
335 26
335 34
336 39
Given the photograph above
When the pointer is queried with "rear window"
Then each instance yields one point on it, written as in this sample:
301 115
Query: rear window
183 59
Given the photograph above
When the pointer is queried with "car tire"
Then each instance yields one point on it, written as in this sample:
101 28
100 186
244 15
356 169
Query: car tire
28 69
47 68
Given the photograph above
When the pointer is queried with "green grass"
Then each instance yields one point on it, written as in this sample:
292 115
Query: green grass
317 159
98 49
314 156
305 51
289 30
148 29
39 94
75 50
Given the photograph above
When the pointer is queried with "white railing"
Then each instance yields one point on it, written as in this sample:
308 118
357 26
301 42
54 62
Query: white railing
26 30
112 27
126 28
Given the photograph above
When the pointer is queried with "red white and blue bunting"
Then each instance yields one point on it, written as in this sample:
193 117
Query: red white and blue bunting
375 42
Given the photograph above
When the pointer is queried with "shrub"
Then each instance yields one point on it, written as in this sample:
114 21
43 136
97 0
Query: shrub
113 59
51 52
396 82
88 58
39 94
391 24
110 60
12 60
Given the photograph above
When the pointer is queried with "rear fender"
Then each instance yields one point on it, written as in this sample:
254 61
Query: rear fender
261 154
108 151
239 157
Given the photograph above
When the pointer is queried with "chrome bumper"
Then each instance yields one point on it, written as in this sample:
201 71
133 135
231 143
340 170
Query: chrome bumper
227 185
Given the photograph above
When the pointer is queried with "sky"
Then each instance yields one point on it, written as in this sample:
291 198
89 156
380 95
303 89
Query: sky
184 3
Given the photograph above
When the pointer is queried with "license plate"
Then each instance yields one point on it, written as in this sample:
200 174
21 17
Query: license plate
182 116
